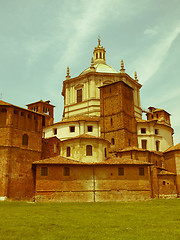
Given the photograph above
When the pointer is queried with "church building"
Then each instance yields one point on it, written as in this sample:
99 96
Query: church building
101 150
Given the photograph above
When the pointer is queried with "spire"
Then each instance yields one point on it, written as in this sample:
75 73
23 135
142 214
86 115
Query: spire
68 76
135 76
99 41
122 70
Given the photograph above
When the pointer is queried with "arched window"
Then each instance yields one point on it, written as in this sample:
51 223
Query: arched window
112 141
25 139
96 56
68 152
100 55
88 150
111 122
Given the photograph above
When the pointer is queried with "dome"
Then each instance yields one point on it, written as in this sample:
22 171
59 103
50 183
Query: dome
101 68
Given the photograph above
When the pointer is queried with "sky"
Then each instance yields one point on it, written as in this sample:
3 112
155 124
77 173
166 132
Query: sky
40 38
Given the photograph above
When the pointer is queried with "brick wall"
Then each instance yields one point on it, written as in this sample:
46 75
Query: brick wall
117 115
92 183
50 147
16 176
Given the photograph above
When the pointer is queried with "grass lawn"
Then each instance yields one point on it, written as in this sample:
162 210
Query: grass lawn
156 219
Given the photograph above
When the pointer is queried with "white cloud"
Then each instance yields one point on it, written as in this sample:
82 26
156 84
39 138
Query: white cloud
151 31
153 59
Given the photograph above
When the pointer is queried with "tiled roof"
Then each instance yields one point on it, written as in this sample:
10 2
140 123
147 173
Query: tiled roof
81 118
164 172
176 147
110 161
5 103
123 161
41 101
86 136
58 160
132 148
2 103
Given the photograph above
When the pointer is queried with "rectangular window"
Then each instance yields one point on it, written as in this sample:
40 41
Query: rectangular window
44 171
66 171
72 128
68 152
55 148
121 171
141 171
157 145
143 130
55 131
156 131
90 128
144 144
79 95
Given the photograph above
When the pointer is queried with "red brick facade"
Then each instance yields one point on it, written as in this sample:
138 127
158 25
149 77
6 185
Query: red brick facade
117 121
20 145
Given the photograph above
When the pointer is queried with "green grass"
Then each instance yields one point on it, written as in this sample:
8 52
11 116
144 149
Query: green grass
156 219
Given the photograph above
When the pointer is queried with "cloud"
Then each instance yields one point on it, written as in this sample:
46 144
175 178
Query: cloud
153 59
79 27
151 31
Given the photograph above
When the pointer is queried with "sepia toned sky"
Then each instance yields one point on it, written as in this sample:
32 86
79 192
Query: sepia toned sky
40 38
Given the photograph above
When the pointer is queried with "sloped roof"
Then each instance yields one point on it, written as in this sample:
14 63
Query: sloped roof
164 172
5 103
41 101
86 136
173 148
123 161
2 103
81 118
58 160
111 161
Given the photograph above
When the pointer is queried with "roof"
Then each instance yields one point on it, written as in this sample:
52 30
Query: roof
115 161
41 101
101 68
77 119
86 136
5 103
81 118
2 103
140 150
157 110
116 82
132 148
164 172
173 148
58 160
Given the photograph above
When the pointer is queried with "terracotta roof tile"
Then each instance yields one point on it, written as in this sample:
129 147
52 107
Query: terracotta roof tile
176 147
123 161
86 136
110 161
2 103
164 172
58 160
81 118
